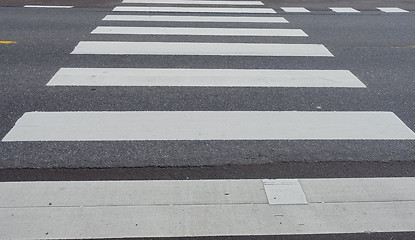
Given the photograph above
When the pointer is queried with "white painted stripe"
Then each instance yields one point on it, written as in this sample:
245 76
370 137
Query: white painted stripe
264 32
115 209
207 125
132 193
193 10
161 18
204 220
392 10
211 192
284 191
199 2
196 48
358 189
295 9
204 77
344 10
46 6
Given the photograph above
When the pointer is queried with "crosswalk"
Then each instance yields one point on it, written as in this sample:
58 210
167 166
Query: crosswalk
344 10
255 200
193 10
204 77
295 9
34 126
194 208
206 125
197 32
199 48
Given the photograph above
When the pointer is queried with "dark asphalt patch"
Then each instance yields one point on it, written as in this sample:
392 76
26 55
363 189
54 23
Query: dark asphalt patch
249 171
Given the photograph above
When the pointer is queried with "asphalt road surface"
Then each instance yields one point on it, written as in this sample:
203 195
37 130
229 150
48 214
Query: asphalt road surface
49 131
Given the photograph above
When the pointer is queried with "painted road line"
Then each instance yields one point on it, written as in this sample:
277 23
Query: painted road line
208 125
295 9
195 48
392 10
205 220
211 192
204 77
46 6
358 189
8 42
284 191
193 10
264 32
410 46
135 193
195 2
160 18
344 10
204 208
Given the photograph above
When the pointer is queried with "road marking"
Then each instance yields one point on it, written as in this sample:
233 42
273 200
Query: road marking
195 2
208 125
135 193
160 18
412 46
344 10
284 191
193 10
264 32
195 48
210 192
46 6
8 42
391 10
204 77
193 208
295 9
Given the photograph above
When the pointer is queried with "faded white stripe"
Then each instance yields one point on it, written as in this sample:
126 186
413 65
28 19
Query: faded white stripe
264 32
198 192
195 2
115 209
46 6
207 125
392 10
295 9
193 9
205 220
344 10
192 48
160 18
204 77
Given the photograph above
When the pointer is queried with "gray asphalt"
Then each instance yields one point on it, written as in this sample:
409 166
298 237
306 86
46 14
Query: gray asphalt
366 44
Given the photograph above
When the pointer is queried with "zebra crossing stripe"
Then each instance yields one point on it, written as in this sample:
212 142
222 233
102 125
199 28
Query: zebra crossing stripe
191 208
193 10
240 191
344 10
295 9
46 6
194 2
204 77
264 32
199 48
161 18
392 10
208 125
